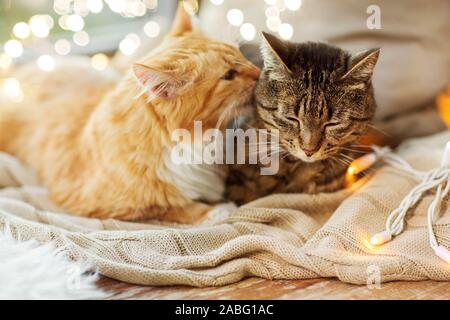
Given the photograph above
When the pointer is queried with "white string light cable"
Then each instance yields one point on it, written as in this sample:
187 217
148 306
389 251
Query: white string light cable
437 178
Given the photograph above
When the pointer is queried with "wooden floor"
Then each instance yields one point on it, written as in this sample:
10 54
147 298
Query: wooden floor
255 288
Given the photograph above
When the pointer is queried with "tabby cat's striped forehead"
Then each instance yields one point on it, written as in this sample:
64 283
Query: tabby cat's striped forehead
318 96
316 59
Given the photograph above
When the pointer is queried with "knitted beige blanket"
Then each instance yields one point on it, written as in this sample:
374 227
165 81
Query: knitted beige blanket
293 236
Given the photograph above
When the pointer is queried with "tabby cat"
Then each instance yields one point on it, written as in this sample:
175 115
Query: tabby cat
101 145
320 99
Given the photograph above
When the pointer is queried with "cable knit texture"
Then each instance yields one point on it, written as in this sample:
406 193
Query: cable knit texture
295 236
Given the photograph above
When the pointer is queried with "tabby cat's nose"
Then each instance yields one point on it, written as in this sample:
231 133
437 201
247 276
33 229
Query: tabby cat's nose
310 152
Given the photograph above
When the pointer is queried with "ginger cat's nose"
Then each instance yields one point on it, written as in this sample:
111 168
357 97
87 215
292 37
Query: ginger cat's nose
254 72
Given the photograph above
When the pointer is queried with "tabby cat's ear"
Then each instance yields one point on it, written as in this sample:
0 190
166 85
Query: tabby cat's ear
275 53
157 83
361 65
182 22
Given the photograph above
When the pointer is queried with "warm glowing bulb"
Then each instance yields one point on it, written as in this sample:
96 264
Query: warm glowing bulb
152 29
286 31
248 31
13 48
62 47
443 103
99 61
21 30
381 238
362 163
235 17
351 170
46 63
293 5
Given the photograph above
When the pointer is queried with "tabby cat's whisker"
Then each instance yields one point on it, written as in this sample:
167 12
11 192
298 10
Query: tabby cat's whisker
360 146
346 156
347 161
339 161
352 150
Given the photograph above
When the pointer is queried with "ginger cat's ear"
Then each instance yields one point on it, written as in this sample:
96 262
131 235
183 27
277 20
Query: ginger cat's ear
182 22
361 64
157 83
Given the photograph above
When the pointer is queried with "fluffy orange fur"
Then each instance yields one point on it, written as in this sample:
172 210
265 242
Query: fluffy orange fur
98 145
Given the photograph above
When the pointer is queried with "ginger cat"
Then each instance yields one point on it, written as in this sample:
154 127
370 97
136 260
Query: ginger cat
100 145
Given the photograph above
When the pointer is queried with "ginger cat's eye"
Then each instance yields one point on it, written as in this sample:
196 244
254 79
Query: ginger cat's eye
293 119
230 75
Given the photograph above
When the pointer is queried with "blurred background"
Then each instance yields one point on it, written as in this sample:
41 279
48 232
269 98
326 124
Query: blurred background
410 79
61 27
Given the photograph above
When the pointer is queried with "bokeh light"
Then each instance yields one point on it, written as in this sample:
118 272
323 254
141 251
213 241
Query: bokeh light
117 6
74 22
272 12
81 38
151 4
12 90
129 45
95 6
286 31
40 26
152 29
62 7
99 61
13 48
46 63
216 2
293 5
248 31
21 30
5 61
235 17
62 47
273 24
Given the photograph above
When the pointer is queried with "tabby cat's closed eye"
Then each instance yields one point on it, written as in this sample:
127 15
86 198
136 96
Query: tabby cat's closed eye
292 119
331 124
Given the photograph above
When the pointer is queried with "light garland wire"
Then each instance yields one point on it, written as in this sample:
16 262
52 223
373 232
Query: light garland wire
438 178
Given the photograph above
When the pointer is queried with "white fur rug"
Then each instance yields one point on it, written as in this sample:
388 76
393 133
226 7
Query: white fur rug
29 270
